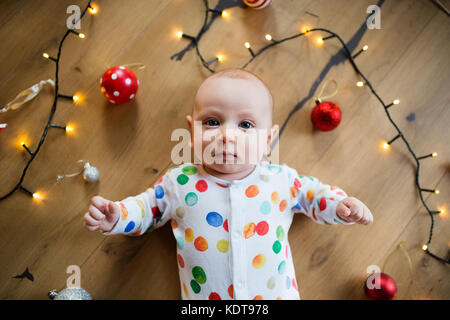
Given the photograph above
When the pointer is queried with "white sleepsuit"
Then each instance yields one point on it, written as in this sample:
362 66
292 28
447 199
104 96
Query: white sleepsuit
232 237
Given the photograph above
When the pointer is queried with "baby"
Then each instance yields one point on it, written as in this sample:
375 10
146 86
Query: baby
230 216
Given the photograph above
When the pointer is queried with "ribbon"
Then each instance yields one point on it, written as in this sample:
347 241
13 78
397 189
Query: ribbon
60 177
400 246
26 95
319 98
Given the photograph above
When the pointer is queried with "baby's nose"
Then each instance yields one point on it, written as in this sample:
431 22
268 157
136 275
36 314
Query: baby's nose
228 134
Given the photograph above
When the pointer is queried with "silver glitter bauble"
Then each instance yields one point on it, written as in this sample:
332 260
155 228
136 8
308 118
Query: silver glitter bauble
90 173
72 293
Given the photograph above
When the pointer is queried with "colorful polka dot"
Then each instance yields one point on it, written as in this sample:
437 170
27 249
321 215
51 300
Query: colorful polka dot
280 233
123 211
182 179
225 225
201 186
276 247
174 223
271 283
294 284
181 211
252 191
230 291
141 205
200 244
249 230
180 260
130 226
189 170
259 261
297 184
265 207
309 195
274 168
275 197
186 292
288 282
199 274
258 297
264 177
159 192
262 228
189 235
214 296
214 219
282 267
191 199
222 245
293 192
283 205
322 204
180 243
195 286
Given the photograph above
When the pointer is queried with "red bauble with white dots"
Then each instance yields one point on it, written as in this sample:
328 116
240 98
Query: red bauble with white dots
380 286
119 84
326 115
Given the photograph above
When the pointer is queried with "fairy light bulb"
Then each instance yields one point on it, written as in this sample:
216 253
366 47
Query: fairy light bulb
385 145
396 101
360 84
268 37
76 98
37 195
69 129
436 191
365 47
319 40
305 29
82 35
434 154
179 34
220 58
247 45
45 55
424 247
225 14
93 9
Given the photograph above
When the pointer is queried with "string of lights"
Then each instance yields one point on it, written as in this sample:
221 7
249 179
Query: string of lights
361 83
58 95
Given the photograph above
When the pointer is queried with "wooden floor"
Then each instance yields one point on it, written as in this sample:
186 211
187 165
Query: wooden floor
407 59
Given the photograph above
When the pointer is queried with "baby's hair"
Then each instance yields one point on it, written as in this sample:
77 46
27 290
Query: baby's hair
237 73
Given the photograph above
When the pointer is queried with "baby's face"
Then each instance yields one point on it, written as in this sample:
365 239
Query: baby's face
235 118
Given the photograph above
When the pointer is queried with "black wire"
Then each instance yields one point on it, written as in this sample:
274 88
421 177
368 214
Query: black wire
367 83
52 112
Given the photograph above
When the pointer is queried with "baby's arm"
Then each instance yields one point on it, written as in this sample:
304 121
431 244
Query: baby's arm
134 215
315 199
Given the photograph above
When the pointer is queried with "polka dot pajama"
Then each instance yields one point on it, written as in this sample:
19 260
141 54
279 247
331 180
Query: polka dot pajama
231 236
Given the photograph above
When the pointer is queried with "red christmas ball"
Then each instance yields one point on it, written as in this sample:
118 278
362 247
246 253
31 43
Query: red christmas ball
119 84
257 4
380 286
326 116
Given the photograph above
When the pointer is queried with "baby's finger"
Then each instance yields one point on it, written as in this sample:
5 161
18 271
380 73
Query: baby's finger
100 203
91 228
96 214
91 221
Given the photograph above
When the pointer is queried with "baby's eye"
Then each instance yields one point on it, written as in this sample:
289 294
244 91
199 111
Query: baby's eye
212 123
246 125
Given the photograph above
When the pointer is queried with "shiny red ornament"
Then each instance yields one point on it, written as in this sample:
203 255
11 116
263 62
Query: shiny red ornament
326 115
119 84
380 286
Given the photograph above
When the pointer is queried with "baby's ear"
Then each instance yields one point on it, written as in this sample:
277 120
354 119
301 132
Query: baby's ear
273 133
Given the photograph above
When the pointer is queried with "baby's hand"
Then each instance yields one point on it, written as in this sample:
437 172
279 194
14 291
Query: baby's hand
102 215
351 209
